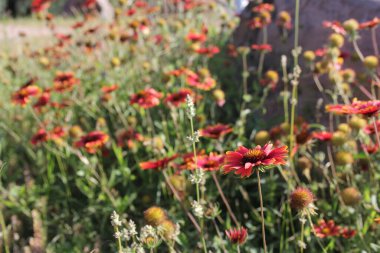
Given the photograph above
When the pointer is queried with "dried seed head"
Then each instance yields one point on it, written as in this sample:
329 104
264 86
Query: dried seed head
301 198
344 158
154 215
351 196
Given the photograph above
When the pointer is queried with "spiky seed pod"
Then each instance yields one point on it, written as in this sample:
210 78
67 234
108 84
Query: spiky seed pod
218 94
285 127
357 123
178 182
336 40
301 198
304 163
154 215
168 229
345 128
371 62
309 56
344 158
351 25
348 75
115 62
351 196
75 131
338 138
262 137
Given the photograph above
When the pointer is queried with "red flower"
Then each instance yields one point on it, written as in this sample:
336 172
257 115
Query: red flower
209 51
335 26
210 162
322 136
196 37
57 132
367 108
40 5
157 164
370 24
326 229
90 4
320 52
263 7
146 98
178 98
243 160
42 101
110 88
200 81
23 95
215 131
128 138
370 149
92 141
39 137
348 233
262 47
64 81
370 129
237 236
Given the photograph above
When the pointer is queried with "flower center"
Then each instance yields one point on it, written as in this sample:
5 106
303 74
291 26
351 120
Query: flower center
253 156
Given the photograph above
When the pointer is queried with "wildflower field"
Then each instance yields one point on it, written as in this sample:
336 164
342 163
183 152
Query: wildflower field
156 132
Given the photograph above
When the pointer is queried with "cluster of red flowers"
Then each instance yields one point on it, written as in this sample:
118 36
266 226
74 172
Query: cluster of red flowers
366 108
43 136
327 229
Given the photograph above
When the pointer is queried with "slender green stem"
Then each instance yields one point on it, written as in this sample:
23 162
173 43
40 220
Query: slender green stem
261 211
118 240
238 248
312 228
197 183
262 54
4 230
302 235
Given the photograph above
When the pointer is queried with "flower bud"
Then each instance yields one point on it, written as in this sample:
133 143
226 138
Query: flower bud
345 128
336 40
344 158
115 62
309 56
75 131
371 62
338 138
351 25
262 137
304 163
351 196
154 215
168 229
357 123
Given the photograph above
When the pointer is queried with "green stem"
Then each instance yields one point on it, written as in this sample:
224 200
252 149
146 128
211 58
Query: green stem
5 233
262 54
262 211
197 170
302 235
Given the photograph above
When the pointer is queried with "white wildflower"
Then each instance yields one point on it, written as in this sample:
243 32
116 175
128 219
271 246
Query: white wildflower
115 219
190 110
197 209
